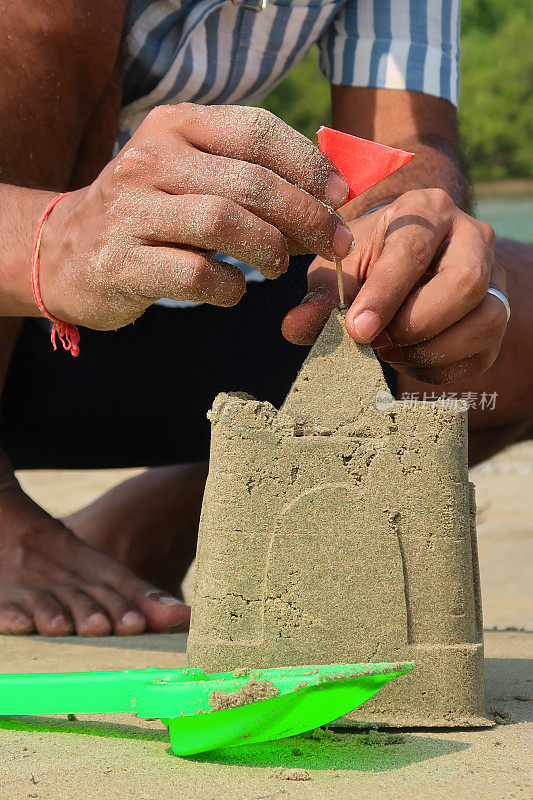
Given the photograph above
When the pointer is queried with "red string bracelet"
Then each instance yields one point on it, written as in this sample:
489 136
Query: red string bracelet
68 334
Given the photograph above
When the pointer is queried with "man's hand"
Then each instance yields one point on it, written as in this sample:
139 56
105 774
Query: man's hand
191 181
419 274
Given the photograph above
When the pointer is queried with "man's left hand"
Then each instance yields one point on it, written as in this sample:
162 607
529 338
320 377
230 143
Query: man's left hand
417 282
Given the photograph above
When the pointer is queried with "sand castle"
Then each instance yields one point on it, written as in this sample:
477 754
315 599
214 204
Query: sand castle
341 528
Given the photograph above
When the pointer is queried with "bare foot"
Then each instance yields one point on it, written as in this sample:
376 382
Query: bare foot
54 584
149 523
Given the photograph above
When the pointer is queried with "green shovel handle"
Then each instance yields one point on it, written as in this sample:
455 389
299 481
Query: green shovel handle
79 692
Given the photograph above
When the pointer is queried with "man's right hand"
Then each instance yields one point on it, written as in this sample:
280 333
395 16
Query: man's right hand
193 180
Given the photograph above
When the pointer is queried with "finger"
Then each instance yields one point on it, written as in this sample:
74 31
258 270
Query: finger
256 136
478 331
123 613
89 617
300 217
460 284
215 223
293 245
186 275
410 244
467 367
15 620
302 325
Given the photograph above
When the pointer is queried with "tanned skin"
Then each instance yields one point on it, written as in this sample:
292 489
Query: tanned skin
63 112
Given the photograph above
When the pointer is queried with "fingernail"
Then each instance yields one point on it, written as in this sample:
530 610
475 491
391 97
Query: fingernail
132 618
336 190
366 325
342 241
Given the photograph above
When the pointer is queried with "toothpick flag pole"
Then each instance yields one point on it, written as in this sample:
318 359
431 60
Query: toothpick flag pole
340 281
363 164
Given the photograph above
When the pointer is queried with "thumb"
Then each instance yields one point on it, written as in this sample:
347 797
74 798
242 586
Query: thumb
303 323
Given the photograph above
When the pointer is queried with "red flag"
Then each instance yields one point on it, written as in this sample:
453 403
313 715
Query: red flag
362 163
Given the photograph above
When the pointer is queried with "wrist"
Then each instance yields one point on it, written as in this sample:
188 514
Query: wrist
23 208
57 259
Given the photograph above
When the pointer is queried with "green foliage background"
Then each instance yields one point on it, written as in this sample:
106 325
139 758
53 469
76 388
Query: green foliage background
496 100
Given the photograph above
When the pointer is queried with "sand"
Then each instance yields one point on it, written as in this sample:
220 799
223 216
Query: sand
121 758
307 510
251 692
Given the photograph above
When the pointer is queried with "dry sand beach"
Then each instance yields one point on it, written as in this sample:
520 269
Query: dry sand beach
122 758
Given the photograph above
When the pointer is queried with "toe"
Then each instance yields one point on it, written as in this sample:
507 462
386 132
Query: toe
126 618
51 619
97 624
164 612
89 617
161 610
15 620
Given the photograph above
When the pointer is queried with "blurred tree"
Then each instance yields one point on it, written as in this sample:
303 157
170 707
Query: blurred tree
496 102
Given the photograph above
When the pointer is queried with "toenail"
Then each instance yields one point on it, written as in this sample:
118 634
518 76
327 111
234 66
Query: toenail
165 599
97 619
59 620
20 621
132 618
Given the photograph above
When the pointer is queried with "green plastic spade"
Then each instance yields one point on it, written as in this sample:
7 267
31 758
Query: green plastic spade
205 712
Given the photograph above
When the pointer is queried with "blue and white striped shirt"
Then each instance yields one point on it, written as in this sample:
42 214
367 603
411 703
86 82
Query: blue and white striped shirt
220 51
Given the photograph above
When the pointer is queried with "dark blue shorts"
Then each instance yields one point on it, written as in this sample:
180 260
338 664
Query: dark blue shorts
139 396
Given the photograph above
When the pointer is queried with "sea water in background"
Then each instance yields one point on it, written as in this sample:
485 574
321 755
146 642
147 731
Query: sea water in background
511 217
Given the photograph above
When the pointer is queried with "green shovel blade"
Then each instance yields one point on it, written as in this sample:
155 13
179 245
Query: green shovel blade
206 712
308 697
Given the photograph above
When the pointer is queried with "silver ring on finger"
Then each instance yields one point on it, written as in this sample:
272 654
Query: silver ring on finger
500 295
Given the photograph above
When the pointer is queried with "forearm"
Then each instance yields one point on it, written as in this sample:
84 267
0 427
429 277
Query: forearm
418 123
